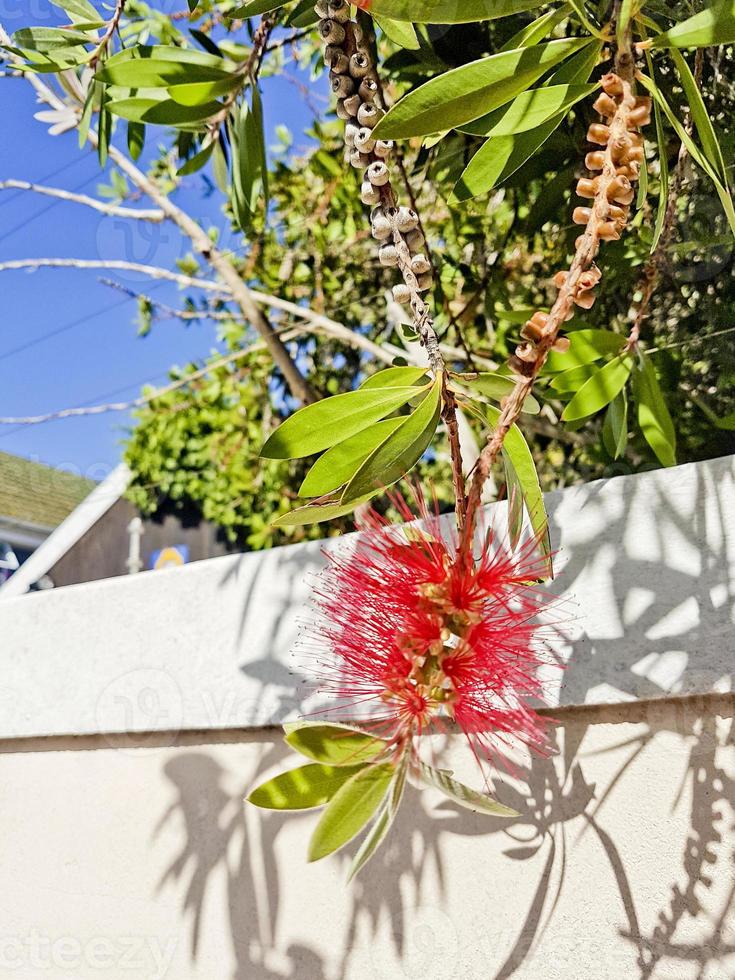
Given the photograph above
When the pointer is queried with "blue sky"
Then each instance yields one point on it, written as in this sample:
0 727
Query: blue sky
66 339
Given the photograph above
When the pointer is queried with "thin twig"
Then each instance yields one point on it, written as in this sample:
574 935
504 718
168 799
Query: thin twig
108 35
116 210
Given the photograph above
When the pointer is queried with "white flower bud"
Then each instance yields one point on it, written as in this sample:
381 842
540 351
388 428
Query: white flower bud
420 264
364 140
352 105
378 174
381 227
401 293
339 10
331 32
383 148
369 194
359 160
388 255
369 115
359 65
342 85
351 131
407 220
368 89
415 240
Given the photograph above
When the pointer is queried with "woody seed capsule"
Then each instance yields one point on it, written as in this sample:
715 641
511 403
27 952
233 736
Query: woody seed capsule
331 32
425 281
333 54
377 174
322 8
587 187
381 227
605 105
415 240
612 84
342 111
369 194
359 160
640 116
364 140
383 148
562 345
351 131
620 190
339 10
608 231
359 65
352 105
368 115
585 299
598 133
401 293
595 160
342 85
388 255
406 220
580 216
420 264
368 89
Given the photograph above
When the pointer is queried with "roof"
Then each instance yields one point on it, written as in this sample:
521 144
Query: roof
39 494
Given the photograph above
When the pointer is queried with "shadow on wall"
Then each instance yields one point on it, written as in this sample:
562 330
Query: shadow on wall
669 609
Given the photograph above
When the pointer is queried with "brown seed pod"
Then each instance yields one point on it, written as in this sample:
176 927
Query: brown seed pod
352 105
595 160
401 293
415 240
368 89
342 111
406 220
383 148
359 65
332 32
351 131
608 231
359 160
598 133
562 345
368 194
420 264
364 140
425 282
605 105
560 278
612 84
581 216
585 299
587 187
388 255
342 85
369 115
377 173
336 59
640 116
322 8
339 10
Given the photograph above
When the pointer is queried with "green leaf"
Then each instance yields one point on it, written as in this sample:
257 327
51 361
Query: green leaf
600 390
536 106
496 387
195 93
715 25
253 8
538 29
694 151
584 346
382 824
340 463
303 788
400 451
198 161
318 513
615 426
442 780
573 379
500 157
79 10
445 11
515 503
663 198
517 452
136 139
334 745
165 112
146 66
472 90
700 115
350 809
653 415
333 420
623 20
395 377
49 38
400 33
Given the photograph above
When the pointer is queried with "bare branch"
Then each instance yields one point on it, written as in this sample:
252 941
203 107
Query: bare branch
115 210
121 265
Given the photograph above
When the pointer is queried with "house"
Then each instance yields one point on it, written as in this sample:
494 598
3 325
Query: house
100 534
34 500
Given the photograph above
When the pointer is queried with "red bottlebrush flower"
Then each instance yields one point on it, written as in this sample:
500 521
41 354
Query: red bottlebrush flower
431 633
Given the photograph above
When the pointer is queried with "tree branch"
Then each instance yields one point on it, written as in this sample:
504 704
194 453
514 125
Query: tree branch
115 210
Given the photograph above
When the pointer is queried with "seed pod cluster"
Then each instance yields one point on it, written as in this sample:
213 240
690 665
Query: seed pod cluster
355 86
614 170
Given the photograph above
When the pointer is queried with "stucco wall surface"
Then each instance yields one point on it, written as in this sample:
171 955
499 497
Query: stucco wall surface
136 859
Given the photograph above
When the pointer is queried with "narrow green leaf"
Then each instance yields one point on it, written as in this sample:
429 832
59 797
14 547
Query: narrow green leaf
333 420
198 161
600 390
136 139
253 8
399 32
395 377
713 26
78 10
340 463
496 387
335 745
573 379
515 502
615 426
653 415
304 788
584 346
536 106
400 451
445 11
382 824
48 38
518 453
538 29
146 66
196 93
623 20
318 513
164 112
663 163
472 90
700 115
442 780
350 809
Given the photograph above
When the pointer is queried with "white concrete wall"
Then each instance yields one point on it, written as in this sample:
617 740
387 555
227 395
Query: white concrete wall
133 720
